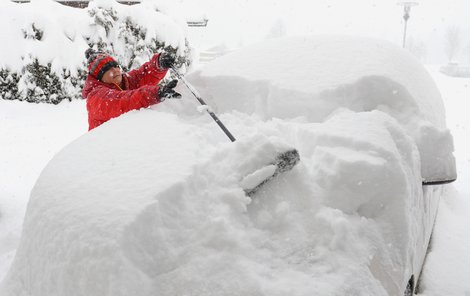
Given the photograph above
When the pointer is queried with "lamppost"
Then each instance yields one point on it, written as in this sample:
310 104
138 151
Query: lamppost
406 15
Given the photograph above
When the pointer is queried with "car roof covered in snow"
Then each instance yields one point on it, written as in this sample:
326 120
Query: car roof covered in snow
312 76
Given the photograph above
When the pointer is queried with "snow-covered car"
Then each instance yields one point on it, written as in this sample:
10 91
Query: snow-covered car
151 203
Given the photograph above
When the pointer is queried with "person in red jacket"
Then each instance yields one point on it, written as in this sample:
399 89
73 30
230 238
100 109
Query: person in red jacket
110 93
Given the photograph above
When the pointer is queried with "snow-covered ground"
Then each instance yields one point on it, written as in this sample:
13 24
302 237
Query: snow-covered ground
32 134
448 264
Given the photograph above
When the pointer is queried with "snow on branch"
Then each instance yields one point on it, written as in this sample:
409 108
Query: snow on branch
43 49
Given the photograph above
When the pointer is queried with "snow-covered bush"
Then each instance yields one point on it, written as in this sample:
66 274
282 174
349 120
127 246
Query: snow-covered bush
44 57
8 84
41 84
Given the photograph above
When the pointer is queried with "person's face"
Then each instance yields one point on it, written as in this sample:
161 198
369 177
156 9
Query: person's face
113 76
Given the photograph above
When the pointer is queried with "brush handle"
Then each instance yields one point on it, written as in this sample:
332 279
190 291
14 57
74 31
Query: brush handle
201 101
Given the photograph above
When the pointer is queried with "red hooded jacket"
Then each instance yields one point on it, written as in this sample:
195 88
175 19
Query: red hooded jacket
138 89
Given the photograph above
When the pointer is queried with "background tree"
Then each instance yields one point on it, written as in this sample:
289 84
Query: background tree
452 42
418 48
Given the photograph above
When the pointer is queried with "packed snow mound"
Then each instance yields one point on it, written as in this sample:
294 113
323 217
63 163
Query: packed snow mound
310 77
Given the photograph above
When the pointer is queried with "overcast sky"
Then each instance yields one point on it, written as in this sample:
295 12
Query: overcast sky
240 22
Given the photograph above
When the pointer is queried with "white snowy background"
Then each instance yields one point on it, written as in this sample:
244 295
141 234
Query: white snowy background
32 134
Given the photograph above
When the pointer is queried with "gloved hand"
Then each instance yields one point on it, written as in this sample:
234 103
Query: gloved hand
166 60
167 91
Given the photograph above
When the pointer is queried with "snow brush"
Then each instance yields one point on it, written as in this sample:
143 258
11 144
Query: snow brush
253 182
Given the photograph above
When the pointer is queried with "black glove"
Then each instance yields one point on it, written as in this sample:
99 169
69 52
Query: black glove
166 60
166 91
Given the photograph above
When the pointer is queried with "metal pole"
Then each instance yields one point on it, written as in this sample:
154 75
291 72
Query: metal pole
406 16
201 101
404 34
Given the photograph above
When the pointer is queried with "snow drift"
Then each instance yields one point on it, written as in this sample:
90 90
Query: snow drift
151 202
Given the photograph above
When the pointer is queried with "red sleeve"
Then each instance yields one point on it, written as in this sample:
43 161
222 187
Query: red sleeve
105 103
148 74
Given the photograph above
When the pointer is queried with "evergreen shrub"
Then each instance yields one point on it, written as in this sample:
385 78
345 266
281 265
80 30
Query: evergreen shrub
120 35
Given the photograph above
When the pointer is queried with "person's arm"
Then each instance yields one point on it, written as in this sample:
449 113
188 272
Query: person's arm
105 103
148 74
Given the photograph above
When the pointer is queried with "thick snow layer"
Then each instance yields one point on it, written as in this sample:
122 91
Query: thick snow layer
312 77
161 211
152 202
